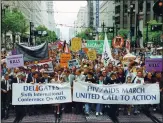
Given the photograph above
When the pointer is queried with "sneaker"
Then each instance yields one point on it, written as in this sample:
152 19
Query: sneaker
135 112
138 112
87 113
96 114
129 114
154 109
101 113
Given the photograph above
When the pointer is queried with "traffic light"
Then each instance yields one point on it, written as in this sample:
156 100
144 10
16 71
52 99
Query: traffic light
158 8
156 28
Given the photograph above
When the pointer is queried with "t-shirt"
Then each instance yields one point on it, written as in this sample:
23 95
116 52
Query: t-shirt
139 80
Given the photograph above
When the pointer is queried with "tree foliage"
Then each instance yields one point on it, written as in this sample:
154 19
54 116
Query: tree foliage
86 34
14 21
124 33
50 37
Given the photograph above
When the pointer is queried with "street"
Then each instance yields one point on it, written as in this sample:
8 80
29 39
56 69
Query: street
49 118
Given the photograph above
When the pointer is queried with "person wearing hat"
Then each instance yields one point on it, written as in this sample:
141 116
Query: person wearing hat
5 93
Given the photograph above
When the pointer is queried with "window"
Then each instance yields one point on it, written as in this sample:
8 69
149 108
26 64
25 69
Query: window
148 7
117 9
125 8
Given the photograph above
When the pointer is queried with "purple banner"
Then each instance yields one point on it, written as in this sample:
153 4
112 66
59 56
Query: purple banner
153 64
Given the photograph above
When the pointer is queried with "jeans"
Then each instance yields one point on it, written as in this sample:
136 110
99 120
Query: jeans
87 108
99 107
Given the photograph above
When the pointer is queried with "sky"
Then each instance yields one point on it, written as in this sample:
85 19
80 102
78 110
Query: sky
65 12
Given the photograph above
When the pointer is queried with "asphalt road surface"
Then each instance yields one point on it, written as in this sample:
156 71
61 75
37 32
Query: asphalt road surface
67 118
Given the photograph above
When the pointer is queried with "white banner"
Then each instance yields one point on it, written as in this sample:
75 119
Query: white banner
116 94
29 94
15 61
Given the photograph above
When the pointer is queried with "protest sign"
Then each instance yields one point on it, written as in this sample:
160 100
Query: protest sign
47 66
30 94
64 58
96 45
73 63
153 64
92 55
14 61
116 93
76 44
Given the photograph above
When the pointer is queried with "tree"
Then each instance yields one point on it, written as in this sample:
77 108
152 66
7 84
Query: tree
123 33
50 37
86 34
152 36
13 21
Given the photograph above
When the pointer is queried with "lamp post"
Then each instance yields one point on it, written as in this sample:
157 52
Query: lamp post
103 26
3 8
130 12
31 33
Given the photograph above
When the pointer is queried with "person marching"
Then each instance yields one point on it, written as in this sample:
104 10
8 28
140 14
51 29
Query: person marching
5 91
57 107
19 109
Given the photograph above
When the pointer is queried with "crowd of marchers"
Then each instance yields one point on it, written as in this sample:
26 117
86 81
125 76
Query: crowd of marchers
89 71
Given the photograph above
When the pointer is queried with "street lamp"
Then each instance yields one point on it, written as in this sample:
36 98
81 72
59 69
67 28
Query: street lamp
31 33
130 11
3 8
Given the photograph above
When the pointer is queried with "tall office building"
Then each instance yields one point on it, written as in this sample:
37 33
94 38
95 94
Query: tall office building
122 12
81 20
71 33
50 11
106 11
90 10
58 32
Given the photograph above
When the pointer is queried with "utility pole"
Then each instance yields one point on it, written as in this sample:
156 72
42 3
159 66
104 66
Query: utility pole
31 34
113 28
2 16
103 26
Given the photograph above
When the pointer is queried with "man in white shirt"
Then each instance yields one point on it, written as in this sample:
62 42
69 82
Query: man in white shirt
79 77
139 79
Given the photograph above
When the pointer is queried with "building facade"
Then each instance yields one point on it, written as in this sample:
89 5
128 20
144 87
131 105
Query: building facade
71 33
81 21
90 14
50 11
123 15
58 32
106 13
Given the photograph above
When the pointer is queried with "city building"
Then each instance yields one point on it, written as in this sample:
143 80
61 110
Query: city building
71 33
58 32
106 11
50 11
90 10
75 27
81 20
122 12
